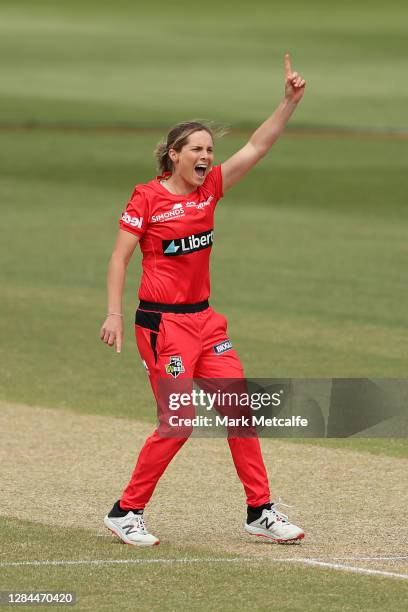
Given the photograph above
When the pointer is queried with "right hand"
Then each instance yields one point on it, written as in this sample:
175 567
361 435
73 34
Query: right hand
294 83
112 332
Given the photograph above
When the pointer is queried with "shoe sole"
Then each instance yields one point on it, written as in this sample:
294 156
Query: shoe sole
277 540
129 543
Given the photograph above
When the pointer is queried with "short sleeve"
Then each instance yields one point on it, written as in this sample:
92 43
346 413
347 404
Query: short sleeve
135 218
213 182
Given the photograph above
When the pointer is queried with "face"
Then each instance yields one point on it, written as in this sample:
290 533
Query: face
195 159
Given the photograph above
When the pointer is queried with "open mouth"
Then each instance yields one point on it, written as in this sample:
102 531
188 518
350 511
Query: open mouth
200 170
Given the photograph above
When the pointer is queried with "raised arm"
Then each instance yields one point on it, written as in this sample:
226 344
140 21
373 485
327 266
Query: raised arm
264 137
112 330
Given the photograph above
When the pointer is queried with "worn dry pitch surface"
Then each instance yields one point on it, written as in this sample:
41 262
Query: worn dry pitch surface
65 469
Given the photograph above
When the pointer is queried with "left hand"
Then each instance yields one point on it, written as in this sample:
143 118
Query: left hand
294 83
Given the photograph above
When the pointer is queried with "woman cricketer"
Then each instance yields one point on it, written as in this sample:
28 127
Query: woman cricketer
178 334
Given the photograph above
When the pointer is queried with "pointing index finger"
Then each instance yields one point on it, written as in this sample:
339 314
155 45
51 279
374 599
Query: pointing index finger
288 67
118 343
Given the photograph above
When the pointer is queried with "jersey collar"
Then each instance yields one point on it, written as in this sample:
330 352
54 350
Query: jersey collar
162 188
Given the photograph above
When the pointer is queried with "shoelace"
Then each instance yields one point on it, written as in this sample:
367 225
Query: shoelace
138 520
276 514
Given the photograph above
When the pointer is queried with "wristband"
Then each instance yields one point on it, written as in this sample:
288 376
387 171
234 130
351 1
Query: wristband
117 314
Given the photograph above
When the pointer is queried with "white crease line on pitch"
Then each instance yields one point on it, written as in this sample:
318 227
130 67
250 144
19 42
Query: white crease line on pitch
385 558
352 568
125 561
310 562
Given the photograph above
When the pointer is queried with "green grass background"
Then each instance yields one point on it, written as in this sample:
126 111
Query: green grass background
150 63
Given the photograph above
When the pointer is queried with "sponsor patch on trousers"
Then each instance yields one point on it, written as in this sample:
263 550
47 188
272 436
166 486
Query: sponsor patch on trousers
221 347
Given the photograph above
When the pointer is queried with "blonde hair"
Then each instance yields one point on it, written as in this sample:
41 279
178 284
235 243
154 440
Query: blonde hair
176 139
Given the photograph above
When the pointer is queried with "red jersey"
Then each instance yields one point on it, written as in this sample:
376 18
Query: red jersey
176 235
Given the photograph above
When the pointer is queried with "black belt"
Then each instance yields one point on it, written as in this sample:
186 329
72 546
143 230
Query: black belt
175 308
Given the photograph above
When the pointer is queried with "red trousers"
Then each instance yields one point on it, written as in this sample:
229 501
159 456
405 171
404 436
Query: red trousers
189 346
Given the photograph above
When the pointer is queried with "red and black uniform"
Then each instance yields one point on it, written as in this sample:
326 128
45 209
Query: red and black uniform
178 334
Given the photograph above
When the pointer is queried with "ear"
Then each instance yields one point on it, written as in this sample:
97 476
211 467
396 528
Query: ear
173 155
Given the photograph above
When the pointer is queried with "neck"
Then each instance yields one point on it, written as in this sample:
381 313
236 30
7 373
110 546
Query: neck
177 185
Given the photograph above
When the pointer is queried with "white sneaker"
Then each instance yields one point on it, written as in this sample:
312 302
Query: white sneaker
275 526
131 529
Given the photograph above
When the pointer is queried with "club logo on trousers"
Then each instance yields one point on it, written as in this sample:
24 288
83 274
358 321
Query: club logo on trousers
175 367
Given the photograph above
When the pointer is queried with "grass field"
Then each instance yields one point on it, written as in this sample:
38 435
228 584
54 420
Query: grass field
309 265
223 582
160 63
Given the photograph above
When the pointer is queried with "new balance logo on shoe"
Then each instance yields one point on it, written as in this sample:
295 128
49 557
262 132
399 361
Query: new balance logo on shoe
266 523
128 529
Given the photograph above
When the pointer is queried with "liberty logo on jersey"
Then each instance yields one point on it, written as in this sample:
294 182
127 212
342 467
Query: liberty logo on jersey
175 367
188 244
